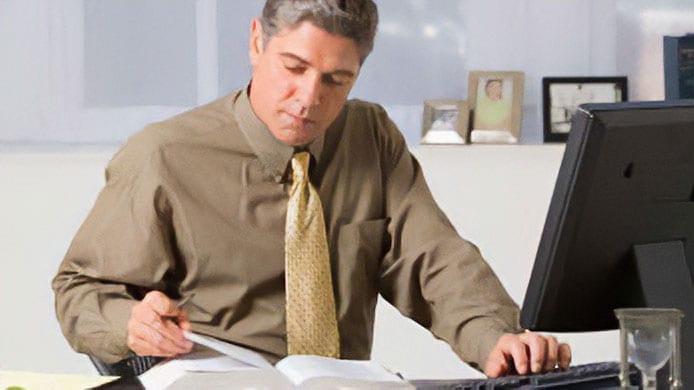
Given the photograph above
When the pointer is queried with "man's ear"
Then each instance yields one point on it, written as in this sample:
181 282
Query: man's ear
255 46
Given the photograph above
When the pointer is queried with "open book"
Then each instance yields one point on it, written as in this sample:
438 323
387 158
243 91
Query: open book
227 366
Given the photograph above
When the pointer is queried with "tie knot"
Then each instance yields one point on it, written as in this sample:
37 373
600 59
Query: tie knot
300 163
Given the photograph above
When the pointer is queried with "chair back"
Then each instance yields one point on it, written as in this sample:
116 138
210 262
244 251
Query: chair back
132 366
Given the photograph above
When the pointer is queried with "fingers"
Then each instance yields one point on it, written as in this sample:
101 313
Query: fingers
152 328
536 345
519 353
551 359
497 364
182 320
508 357
527 353
545 353
564 355
161 304
148 341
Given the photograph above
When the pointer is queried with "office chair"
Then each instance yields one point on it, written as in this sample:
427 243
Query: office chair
132 366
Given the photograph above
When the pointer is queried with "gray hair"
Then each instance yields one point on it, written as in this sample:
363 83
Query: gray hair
353 19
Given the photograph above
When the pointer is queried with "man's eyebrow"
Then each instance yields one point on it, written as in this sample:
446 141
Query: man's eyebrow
294 57
337 72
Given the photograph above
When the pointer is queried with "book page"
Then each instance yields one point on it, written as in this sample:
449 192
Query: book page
300 368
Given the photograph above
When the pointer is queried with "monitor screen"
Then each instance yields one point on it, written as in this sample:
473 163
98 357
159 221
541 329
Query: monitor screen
620 226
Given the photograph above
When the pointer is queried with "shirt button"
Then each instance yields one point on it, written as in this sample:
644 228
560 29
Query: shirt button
278 179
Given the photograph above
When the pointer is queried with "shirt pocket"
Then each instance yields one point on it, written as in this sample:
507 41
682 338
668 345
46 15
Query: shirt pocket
360 248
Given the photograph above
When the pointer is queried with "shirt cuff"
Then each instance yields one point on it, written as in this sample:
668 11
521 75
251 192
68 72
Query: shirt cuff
113 346
477 340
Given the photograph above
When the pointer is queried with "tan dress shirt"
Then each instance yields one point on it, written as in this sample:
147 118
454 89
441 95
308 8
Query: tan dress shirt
197 203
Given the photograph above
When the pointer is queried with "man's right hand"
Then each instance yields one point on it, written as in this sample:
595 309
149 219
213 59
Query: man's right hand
156 327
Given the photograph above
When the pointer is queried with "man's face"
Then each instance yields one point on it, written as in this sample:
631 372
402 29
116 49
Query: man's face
494 90
301 79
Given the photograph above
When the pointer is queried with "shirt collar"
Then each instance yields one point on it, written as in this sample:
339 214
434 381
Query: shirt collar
273 154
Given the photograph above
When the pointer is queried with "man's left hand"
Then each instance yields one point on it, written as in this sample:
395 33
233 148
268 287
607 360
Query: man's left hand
525 353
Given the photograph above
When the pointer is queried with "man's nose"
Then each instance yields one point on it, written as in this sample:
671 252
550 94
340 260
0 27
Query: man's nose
309 91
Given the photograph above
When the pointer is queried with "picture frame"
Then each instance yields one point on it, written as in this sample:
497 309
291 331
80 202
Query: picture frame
678 64
496 103
561 97
445 121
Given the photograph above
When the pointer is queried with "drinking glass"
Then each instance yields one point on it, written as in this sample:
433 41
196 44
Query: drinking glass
649 337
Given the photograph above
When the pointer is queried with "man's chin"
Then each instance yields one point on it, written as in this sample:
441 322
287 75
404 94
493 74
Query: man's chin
296 137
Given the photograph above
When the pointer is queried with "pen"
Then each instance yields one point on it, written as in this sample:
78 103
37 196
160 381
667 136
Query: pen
184 300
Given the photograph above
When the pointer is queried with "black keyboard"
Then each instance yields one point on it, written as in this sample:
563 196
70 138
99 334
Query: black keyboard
587 376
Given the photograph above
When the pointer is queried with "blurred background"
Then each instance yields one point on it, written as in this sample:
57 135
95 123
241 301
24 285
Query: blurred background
96 71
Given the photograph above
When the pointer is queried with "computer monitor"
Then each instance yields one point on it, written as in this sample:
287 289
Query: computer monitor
620 226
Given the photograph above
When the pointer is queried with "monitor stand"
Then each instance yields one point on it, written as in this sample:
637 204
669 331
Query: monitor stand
667 282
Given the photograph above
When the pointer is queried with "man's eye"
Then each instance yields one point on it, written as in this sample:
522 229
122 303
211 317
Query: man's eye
331 80
296 69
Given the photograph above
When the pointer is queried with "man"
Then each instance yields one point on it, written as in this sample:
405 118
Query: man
197 205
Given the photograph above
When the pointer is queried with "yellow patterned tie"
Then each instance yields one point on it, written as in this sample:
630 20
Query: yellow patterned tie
311 317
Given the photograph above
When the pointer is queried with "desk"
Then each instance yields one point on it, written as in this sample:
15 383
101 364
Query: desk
241 380
41 381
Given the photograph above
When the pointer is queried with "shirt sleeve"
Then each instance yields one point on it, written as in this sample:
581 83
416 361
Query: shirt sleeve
430 273
122 250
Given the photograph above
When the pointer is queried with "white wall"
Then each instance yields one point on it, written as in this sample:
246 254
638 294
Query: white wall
496 196
44 198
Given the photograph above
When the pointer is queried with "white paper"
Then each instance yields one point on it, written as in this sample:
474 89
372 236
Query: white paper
299 368
236 352
254 379
166 373
221 363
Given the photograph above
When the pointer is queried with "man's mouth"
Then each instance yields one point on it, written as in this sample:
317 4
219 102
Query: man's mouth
298 118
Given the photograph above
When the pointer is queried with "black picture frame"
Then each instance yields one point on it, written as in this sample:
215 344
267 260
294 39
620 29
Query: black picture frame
561 96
